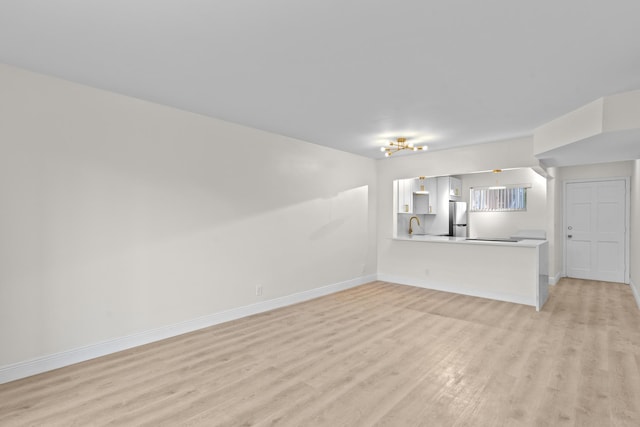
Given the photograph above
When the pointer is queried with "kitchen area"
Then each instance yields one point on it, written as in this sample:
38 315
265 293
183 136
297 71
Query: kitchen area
480 234
430 206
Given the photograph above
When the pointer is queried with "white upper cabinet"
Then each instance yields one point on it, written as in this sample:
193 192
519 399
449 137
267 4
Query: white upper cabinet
405 195
425 198
432 187
417 196
455 187
421 203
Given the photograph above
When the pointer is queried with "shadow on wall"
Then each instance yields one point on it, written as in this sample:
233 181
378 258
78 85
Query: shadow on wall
93 198
102 249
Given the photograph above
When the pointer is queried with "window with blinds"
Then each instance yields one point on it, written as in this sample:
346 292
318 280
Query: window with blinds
499 199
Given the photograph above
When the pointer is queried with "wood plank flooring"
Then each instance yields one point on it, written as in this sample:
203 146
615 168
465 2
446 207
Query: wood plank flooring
379 354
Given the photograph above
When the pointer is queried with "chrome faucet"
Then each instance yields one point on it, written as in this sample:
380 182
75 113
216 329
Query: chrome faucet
411 221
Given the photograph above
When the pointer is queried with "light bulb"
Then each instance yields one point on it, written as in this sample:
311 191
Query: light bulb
383 149
387 154
411 145
416 148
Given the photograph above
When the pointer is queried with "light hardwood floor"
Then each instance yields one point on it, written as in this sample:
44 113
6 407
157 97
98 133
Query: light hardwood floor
378 354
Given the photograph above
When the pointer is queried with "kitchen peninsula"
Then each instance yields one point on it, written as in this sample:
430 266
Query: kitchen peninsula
513 270
506 271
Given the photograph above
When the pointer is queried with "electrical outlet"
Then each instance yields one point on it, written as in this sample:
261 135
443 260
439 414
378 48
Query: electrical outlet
258 290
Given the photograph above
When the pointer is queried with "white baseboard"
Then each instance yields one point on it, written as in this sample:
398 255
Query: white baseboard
58 360
454 289
555 279
636 292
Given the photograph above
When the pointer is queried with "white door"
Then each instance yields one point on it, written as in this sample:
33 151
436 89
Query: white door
595 239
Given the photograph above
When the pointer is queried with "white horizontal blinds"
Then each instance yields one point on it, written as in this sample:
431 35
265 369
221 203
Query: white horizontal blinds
498 199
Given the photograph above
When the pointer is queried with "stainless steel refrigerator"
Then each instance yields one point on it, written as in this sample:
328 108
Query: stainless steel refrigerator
458 219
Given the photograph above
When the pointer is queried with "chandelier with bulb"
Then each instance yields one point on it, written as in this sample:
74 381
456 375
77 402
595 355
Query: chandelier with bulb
400 144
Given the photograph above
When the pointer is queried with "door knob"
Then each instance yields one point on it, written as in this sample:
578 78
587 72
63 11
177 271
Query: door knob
569 236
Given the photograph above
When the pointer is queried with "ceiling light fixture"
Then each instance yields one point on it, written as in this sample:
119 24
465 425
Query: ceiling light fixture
401 144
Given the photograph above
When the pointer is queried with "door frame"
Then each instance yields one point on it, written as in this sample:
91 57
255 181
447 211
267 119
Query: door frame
627 219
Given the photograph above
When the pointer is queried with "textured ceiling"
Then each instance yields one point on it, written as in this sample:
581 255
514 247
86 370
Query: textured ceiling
345 74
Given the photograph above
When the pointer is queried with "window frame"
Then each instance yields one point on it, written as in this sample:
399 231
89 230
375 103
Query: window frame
503 198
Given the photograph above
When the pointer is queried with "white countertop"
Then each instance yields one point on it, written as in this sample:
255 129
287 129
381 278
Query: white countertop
526 243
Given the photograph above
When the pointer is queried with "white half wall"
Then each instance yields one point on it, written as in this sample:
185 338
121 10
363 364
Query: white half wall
121 216
478 270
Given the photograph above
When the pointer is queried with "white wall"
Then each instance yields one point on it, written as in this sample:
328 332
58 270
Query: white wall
504 224
120 216
600 170
635 230
562 174
554 223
